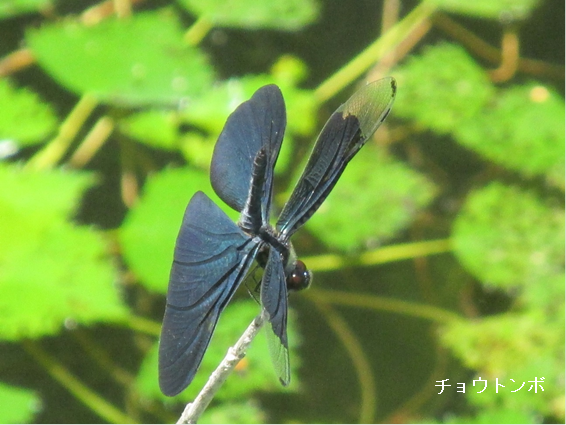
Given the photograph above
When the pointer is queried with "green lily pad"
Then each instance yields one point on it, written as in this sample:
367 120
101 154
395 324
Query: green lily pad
53 271
509 238
210 111
523 130
24 119
135 61
375 198
513 348
17 405
154 128
278 14
150 229
440 97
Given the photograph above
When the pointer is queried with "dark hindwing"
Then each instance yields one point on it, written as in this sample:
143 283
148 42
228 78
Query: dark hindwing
212 257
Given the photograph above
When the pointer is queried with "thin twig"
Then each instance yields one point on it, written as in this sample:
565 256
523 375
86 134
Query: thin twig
236 353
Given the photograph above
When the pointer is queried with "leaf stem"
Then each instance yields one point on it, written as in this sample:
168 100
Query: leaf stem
92 142
56 148
80 391
197 31
359 360
392 305
102 359
374 52
386 254
141 324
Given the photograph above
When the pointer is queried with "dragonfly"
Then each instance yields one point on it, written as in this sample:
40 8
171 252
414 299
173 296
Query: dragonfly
213 255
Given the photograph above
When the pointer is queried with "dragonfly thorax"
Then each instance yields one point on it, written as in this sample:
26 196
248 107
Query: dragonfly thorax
297 276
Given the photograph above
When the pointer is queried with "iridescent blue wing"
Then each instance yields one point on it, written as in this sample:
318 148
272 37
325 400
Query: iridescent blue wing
212 257
274 301
257 123
342 137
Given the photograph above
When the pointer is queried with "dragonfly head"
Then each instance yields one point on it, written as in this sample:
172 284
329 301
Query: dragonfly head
297 276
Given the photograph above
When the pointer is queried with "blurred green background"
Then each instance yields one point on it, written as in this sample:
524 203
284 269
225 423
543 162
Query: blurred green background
438 256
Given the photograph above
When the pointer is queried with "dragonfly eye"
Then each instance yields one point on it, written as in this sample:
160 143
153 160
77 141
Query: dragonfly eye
300 278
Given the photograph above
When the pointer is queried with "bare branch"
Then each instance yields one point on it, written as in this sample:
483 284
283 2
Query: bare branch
236 353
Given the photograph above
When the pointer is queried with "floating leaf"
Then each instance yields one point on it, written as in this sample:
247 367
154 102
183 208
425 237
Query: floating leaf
375 198
154 128
500 345
17 405
548 294
437 96
522 129
150 229
514 348
52 270
507 237
210 111
24 118
197 149
289 71
136 61
278 14
490 9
